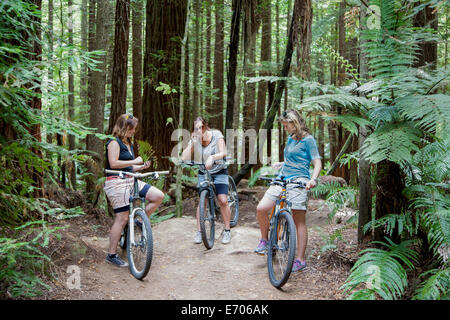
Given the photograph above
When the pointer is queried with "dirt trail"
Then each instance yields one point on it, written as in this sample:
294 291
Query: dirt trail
183 270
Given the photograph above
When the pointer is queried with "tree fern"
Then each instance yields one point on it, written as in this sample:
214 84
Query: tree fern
426 111
382 271
394 142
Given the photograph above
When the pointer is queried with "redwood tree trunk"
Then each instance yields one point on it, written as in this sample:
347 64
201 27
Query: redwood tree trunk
162 61
120 64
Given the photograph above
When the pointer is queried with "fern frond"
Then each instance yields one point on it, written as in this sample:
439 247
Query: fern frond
435 287
394 142
382 271
427 111
147 153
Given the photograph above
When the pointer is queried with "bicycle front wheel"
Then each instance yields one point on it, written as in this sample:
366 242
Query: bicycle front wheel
140 251
233 202
281 250
207 224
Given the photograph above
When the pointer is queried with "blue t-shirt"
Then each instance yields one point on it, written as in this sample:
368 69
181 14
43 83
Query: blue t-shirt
298 155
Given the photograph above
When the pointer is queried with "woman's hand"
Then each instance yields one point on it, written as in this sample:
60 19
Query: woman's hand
138 160
209 163
142 167
311 184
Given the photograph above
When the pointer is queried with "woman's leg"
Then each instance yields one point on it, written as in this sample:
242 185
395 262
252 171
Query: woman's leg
302 233
154 197
262 214
224 209
120 222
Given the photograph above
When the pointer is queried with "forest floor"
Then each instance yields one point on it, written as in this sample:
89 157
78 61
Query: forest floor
183 270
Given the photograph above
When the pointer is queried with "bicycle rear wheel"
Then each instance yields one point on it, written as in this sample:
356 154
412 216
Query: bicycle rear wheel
207 224
141 251
233 202
281 250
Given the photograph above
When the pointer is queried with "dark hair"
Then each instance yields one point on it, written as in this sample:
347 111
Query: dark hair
204 123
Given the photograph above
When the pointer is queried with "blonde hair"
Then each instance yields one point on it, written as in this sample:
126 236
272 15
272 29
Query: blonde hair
293 116
123 124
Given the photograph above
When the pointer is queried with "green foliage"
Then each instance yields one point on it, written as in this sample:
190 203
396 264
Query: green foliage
382 271
436 287
337 196
21 260
147 153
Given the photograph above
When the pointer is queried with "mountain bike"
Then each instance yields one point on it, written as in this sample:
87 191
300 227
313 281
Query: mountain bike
282 235
137 236
208 207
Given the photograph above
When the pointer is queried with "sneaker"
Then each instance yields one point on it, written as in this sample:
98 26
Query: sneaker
226 237
298 265
198 237
115 260
261 249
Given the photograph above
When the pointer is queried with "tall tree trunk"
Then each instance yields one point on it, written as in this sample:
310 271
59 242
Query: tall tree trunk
306 17
218 85
427 17
71 167
281 85
120 64
250 29
232 63
365 187
266 53
162 62
84 46
196 110
207 75
178 192
137 8
36 102
96 97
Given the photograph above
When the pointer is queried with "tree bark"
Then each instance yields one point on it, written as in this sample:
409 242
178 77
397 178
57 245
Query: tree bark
365 186
120 63
96 96
218 85
162 62
137 9
232 63
281 85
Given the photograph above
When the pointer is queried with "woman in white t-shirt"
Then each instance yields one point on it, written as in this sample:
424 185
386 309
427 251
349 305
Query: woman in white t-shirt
206 146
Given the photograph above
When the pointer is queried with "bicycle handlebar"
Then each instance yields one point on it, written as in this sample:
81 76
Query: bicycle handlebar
122 174
201 164
283 182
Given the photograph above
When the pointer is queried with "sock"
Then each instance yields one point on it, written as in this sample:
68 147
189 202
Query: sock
227 230
111 255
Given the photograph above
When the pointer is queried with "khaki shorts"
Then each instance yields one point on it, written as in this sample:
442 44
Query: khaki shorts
297 196
118 192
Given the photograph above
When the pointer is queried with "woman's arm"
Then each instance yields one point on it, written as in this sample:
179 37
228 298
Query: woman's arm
187 153
317 163
218 156
113 157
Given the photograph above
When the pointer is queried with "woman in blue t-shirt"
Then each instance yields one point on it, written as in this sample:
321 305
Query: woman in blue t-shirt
120 156
299 153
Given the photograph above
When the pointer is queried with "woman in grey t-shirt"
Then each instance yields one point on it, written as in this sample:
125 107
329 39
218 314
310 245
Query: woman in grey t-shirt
206 146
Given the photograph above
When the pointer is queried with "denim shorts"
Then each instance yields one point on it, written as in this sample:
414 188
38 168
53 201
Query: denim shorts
220 182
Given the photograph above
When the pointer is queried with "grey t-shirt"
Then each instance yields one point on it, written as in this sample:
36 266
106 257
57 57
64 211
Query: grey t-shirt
202 153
